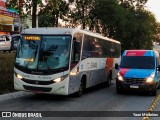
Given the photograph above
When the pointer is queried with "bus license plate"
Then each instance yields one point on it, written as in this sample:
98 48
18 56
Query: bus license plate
134 86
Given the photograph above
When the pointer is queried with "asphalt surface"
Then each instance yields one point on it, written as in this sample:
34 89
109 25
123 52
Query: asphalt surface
95 102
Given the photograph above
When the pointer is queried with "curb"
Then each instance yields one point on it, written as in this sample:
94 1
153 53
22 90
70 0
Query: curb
13 95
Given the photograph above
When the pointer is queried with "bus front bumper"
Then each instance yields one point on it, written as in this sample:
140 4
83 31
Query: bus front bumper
60 88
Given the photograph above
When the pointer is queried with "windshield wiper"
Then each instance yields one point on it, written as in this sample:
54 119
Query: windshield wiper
33 54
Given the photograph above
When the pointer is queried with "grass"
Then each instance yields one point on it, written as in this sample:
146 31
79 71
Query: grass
6 72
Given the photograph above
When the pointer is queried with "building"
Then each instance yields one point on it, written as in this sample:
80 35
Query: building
9 20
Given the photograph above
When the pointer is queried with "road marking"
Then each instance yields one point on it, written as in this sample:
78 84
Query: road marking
152 106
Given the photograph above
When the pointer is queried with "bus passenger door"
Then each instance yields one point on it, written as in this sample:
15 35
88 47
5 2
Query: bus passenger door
74 65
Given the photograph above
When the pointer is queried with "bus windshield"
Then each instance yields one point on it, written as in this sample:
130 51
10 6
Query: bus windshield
138 62
45 52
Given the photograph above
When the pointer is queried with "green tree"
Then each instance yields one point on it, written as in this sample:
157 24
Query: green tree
140 26
145 31
80 12
12 4
50 14
16 5
156 37
126 21
134 4
106 16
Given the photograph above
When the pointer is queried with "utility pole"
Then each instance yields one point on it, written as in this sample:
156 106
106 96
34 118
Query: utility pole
20 5
34 11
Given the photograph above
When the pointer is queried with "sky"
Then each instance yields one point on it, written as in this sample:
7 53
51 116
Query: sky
154 7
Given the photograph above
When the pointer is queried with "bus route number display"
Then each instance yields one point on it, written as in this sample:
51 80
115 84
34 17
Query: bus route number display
32 37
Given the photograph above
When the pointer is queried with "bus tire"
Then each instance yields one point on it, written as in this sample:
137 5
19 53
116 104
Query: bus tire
109 79
81 89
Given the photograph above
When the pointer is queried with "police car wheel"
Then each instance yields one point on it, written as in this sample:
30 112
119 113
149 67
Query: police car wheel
118 90
154 92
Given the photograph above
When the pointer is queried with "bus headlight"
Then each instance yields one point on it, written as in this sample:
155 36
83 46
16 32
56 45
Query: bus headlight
60 78
150 78
120 78
57 80
19 76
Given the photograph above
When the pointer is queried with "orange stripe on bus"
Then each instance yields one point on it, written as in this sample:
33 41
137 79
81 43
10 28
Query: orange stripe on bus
109 63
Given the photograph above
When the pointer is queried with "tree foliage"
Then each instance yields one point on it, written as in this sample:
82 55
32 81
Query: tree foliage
140 26
52 12
156 37
126 21
80 12
15 4
123 20
133 4
106 16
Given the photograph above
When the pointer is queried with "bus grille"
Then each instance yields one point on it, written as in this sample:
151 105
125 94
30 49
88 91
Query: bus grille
134 80
37 82
41 89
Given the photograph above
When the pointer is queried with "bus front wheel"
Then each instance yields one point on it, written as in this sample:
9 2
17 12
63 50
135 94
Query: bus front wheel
81 89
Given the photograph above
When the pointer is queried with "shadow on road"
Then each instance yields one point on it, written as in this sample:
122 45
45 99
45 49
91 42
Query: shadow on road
101 87
72 96
138 93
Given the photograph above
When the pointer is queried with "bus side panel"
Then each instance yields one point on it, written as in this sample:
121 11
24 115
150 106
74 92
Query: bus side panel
93 78
96 66
74 82
94 70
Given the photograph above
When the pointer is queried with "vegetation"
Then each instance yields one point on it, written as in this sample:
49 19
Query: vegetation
125 20
6 72
50 13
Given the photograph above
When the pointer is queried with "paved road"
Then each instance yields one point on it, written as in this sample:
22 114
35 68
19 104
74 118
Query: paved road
99 98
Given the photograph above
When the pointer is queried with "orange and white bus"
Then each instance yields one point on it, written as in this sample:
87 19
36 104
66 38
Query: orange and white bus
64 60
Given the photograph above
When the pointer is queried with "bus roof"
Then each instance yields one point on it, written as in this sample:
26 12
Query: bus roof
55 30
140 53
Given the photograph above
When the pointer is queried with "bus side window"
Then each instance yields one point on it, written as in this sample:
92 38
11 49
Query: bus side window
87 47
76 47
